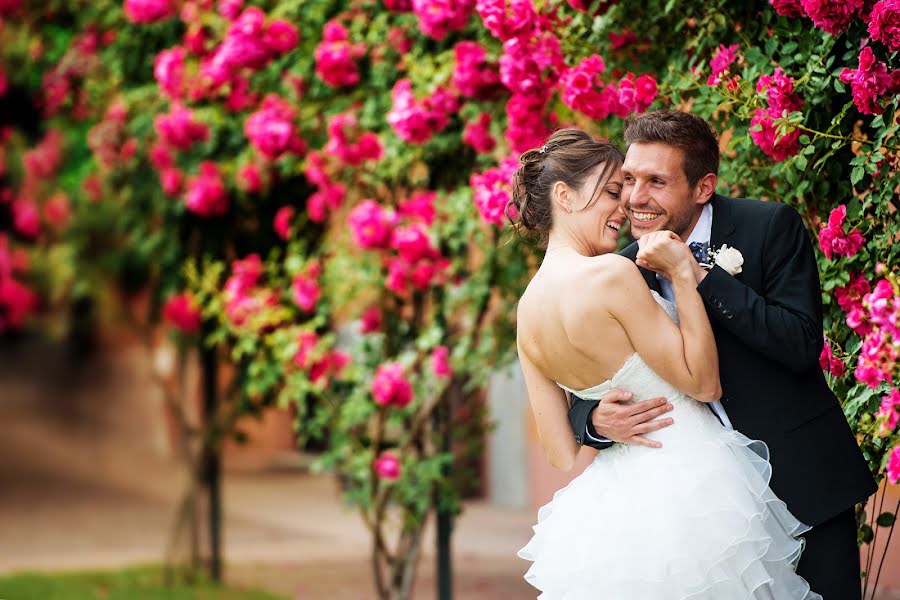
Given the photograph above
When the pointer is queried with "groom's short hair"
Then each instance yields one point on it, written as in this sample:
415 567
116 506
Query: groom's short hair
686 131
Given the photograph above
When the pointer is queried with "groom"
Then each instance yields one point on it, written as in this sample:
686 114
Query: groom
767 320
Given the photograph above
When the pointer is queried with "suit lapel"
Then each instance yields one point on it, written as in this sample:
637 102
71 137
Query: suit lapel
649 276
722 222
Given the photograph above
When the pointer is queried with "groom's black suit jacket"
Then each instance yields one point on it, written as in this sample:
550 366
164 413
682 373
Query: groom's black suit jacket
767 321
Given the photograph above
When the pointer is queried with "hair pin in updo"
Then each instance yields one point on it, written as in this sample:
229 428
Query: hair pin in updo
543 149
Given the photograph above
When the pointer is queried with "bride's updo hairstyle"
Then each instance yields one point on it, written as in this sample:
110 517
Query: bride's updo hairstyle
569 155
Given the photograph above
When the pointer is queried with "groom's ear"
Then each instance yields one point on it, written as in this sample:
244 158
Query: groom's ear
705 188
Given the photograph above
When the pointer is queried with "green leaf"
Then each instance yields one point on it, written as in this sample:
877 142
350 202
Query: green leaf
866 534
856 175
801 162
886 519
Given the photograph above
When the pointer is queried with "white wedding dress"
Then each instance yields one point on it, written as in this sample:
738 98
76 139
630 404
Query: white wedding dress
694 519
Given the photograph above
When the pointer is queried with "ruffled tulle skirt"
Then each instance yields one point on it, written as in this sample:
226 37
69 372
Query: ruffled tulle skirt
693 520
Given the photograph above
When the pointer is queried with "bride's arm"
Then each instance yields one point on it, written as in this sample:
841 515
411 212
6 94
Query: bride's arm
684 355
550 408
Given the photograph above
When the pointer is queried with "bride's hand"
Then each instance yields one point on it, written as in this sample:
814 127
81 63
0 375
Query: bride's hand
665 253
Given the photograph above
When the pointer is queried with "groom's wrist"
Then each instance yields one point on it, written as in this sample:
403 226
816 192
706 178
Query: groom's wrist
591 431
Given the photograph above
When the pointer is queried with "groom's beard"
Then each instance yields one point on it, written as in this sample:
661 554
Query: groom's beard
679 224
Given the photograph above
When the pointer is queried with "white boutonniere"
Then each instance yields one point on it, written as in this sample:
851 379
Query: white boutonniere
728 258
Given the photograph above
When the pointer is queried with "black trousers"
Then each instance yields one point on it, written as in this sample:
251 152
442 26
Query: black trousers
830 562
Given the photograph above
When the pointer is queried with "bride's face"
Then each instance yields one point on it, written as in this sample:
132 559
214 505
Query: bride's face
596 220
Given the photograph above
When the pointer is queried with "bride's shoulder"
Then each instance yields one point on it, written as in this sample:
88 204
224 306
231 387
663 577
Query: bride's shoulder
609 268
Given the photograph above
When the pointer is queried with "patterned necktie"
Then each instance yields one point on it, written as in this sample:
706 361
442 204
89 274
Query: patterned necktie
700 250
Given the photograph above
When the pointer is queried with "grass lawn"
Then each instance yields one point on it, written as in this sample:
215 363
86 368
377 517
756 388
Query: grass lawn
139 583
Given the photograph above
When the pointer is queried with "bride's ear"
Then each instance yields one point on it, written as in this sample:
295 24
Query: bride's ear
705 188
561 195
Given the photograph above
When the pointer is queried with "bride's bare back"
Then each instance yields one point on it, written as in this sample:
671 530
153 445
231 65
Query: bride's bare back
576 348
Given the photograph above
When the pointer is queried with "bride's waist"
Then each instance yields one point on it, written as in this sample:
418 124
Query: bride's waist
691 421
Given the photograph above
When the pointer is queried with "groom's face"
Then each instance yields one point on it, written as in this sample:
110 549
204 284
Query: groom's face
656 191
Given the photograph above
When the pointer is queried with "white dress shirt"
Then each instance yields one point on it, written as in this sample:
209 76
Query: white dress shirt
701 233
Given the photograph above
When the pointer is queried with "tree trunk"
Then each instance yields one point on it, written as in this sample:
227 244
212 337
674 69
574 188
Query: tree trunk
210 463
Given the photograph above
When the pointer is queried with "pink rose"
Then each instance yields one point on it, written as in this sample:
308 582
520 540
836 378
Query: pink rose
412 243
507 19
779 90
390 386
531 66
834 16
851 295
241 97
492 191
371 225
437 18
440 362
834 241
621 40
249 178
182 312
415 121
328 199
306 292
788 8
206 195
888 409
280 36
830 363
397 279
271 129
636 94
893 465
179 129
161 156
473 75
282 222
477 134
529 123
870 82
306 345
764 132
230 9
336 57
387 466
418 207
720 63
370 321
348 143
168 69
884 23
26 218
171 179
17 301
877 359
147 11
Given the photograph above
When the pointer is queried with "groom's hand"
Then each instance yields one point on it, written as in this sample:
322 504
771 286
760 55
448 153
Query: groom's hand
619 420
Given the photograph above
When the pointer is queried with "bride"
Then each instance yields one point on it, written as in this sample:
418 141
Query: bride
691 514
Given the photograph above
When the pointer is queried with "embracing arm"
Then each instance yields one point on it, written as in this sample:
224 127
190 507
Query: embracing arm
549 405
684 355
785 322
580 418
